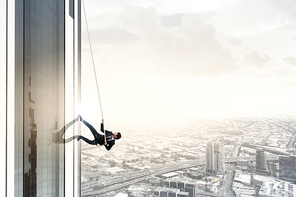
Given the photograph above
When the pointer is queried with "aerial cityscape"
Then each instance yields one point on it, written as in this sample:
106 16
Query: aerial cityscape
204 157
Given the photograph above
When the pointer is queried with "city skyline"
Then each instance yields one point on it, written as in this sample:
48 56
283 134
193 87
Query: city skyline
145 164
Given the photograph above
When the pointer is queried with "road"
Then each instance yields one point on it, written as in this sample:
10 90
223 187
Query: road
251 158
291 142
227 180
129 179
122 181
238 144
264 141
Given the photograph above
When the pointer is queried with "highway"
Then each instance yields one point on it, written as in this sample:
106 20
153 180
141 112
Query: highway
250 158
238 144
227 180
129 179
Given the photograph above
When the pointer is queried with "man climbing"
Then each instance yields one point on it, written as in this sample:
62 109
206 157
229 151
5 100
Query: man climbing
100 139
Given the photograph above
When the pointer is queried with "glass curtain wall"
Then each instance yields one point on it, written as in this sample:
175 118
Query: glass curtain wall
40 65
40 92
43 97
3 23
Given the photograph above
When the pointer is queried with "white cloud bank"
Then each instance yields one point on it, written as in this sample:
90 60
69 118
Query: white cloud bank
232 57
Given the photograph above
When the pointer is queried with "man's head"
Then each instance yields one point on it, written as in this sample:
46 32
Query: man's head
117 135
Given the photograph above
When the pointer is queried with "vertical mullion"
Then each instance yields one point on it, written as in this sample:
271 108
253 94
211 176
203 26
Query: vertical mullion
6 110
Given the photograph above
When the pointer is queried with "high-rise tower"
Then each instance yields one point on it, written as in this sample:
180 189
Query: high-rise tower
214 157
260 159
39 93
287 168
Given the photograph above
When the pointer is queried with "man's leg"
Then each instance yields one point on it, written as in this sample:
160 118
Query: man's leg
58 137
92 142
71 138
91 128
70 124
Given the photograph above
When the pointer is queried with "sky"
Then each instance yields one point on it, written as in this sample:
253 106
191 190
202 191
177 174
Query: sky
172 59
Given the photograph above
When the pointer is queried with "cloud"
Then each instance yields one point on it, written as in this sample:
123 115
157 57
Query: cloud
189 49
139 20
284 75
288 6
284 4
256 59
113 35
247 18
290 60
171 20
235 42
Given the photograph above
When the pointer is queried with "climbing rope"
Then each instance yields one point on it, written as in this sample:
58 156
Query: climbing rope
93 63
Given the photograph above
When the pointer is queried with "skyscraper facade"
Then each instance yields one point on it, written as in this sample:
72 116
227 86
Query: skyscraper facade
39 94
287 168
261 162
214 158
260 159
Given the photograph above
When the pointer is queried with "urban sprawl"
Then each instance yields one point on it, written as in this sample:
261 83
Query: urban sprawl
205 157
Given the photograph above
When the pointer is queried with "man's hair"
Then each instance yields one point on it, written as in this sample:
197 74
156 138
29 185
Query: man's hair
118 135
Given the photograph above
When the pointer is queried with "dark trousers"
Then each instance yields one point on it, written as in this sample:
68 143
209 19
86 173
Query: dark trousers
99 139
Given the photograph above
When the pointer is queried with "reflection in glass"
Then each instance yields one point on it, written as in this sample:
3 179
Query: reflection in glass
58 137
43 96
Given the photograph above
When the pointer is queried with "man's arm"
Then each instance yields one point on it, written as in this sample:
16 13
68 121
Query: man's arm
102 126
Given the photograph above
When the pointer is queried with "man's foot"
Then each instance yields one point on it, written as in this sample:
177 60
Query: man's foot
78 118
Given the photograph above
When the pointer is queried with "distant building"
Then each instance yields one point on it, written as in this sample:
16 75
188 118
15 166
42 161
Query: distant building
167 182
190 188
257 190
170 174
169 192
243 163
287 168
115 170
292 151
138 191
195 175
261 161
121 195
157 191
155 180
182 194
173 184
214 157
182 185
